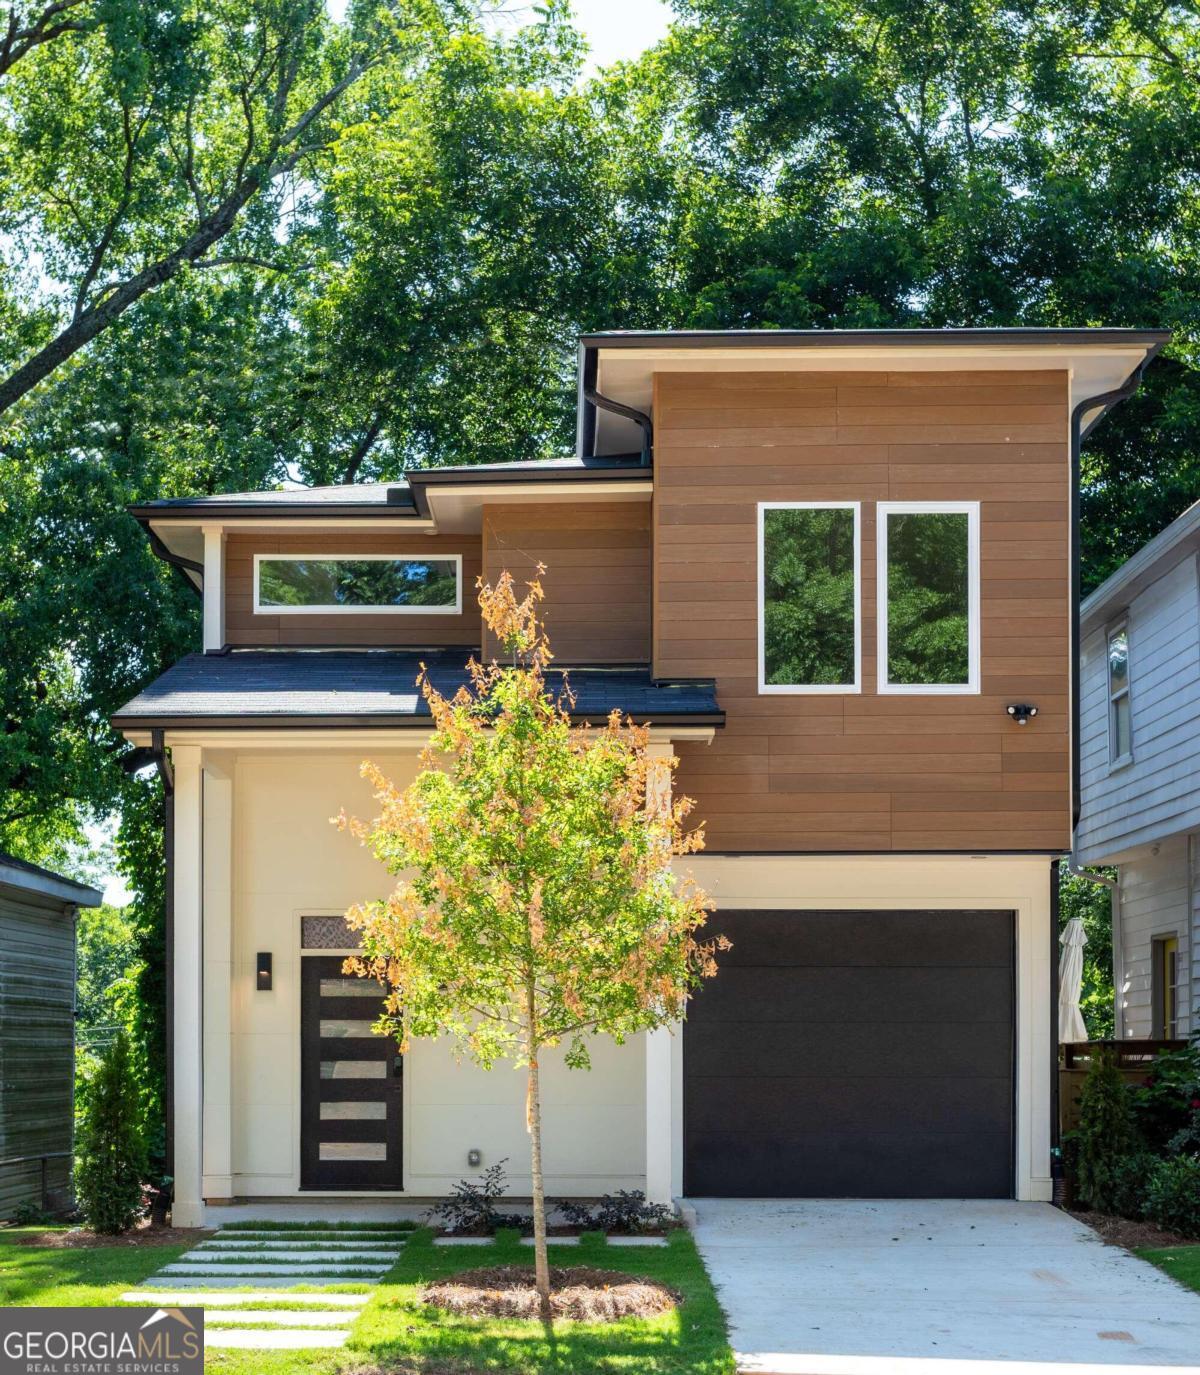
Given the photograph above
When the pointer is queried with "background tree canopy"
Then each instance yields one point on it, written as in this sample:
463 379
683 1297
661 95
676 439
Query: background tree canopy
242 244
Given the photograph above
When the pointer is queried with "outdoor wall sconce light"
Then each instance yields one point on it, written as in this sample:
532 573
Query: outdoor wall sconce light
1022 713
263 971
474 1158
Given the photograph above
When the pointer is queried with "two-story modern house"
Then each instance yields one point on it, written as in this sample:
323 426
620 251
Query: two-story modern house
1140 738
833 571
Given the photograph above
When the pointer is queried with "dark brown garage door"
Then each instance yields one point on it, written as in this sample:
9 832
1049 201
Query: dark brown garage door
853 1055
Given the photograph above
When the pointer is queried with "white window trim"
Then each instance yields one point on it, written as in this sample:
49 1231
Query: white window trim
810 689
1118 761
970 509
455 610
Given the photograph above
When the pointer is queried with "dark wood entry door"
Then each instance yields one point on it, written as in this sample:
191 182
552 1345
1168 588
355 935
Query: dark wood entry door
853 1055
352 1081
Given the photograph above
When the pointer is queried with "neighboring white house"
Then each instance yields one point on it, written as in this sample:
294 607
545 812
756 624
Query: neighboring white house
1140 738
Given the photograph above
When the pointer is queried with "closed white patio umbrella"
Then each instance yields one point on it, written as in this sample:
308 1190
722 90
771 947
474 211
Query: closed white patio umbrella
1071 1025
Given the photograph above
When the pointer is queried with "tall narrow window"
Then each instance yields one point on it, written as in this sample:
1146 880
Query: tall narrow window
928 582
808 585
1120 720
1164 986
324 584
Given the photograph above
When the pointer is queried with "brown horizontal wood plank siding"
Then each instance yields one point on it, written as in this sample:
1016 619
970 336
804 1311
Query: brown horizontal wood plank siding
597 578
862 771
243 627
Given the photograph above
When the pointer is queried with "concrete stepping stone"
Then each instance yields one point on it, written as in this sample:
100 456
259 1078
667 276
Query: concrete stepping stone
286 1243
637 1241
258 1339
290 1258
200 1299
553 1241
464 1241
283 1283
276 1317
298 1274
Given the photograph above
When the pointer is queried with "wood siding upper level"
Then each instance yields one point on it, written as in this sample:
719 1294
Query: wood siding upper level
597 579
860 771
1157 794
244 627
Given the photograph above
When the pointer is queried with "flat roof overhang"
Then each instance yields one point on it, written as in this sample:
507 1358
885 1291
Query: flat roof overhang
621 364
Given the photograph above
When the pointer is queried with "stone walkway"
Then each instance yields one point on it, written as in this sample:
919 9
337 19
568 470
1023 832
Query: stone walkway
246 1277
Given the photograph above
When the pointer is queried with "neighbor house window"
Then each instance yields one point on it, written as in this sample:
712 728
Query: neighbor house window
808 585
1164 987
321 584
1120 720
928 585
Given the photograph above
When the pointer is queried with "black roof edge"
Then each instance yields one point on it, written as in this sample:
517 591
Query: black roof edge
607 468
218 510
380 720
1013 335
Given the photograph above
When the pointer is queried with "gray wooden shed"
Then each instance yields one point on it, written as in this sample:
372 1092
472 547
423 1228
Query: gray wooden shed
37 1032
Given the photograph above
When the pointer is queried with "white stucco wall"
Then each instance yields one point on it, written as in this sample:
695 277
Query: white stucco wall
288 861
267 855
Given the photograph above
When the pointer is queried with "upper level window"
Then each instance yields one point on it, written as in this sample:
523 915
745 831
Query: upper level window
928 579
808 586
322 584
1120 722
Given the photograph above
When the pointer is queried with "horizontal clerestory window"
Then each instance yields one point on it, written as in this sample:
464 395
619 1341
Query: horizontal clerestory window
322 584
809 637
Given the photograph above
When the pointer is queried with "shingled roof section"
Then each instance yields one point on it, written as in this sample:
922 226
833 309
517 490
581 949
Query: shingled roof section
295 687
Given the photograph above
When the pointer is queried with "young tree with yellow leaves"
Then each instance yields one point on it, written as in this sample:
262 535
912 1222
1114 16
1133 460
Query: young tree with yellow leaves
536 904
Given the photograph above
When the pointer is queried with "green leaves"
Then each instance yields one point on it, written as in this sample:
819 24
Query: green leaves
536 902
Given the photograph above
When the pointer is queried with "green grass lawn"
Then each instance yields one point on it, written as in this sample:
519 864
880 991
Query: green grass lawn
83 1278
399 1335
1180 1262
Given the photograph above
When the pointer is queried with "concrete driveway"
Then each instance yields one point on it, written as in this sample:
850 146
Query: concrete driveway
945 1287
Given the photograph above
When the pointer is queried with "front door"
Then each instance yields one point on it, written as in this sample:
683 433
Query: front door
351 1083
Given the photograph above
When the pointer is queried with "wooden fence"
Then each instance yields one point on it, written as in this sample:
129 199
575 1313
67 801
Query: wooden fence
1133 1060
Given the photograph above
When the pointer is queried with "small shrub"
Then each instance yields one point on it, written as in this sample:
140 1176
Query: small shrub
1130 1180
1173 1195
1105 1135
471 1208
30 1214
1166 1103
624 1213
110 1154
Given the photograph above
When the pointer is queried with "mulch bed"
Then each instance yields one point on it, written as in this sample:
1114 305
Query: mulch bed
1123 1231
576 1291
82 1239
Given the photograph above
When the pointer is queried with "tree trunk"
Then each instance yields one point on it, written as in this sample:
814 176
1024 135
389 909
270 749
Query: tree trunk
533 1123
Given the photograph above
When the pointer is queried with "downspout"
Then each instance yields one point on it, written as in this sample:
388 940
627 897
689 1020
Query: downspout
185 566
591 397
1114 902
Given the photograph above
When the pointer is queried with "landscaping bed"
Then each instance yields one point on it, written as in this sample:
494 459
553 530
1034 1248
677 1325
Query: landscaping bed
144 1234
577 1292
1132 1234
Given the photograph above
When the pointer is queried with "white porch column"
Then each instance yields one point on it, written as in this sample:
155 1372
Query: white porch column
664 1060
214 588
188 1210
217 990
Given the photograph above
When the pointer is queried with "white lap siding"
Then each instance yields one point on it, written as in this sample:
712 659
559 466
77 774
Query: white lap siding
1156 901
1158 794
